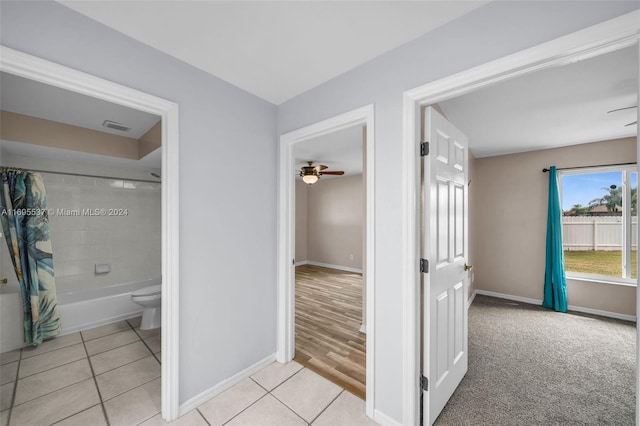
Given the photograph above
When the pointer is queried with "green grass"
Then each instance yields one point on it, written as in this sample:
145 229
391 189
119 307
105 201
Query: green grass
599 262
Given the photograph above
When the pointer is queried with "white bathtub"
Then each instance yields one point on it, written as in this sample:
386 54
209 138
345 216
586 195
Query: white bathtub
79 310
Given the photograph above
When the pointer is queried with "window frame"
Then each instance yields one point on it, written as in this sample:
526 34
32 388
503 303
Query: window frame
627 237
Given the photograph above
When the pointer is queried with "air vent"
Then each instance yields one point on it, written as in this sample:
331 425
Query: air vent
115 126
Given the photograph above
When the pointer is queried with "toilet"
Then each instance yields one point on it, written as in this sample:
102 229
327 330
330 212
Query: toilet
149 298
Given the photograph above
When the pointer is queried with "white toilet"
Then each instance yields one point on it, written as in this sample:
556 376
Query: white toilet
150 298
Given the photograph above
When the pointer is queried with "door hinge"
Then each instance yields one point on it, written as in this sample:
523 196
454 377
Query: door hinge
424 266
424 149
424 383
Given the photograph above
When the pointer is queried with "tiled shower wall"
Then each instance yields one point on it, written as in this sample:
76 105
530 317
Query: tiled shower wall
129 241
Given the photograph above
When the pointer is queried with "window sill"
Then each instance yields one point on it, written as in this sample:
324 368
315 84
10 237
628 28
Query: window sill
626 282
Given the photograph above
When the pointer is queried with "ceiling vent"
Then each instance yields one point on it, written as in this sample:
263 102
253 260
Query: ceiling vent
115 126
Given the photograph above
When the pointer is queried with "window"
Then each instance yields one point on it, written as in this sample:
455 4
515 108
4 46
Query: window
600 222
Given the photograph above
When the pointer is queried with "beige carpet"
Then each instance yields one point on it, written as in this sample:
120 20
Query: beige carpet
532 366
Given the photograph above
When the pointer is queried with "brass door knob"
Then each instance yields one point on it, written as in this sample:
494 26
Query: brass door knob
3 281
467 267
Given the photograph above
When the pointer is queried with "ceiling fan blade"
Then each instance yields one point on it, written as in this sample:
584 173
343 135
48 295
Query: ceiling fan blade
622 109
340 173
631 124
320 167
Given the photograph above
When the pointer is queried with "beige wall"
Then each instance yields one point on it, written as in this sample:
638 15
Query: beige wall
508 204
334 221
301 221
473 227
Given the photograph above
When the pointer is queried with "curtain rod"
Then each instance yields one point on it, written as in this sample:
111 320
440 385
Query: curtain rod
545 170
83 175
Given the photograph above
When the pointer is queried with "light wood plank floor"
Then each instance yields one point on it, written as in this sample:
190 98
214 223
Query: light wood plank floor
328 318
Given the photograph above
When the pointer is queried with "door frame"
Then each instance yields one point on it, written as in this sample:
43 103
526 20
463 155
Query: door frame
286 235
614 34
53 74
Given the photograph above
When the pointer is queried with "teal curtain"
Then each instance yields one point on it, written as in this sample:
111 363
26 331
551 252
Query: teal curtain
555 281
25 224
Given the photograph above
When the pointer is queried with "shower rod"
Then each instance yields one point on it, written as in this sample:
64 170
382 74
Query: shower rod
82 175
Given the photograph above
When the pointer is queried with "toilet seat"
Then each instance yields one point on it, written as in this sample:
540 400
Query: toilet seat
151 290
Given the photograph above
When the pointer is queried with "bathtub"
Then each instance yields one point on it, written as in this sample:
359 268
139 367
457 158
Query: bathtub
79 310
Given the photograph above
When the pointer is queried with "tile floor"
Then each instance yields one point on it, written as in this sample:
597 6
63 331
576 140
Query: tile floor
110 375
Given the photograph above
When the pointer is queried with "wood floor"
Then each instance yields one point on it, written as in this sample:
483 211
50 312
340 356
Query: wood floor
328 319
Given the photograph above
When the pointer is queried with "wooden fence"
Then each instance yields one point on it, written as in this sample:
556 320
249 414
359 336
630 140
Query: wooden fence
596 232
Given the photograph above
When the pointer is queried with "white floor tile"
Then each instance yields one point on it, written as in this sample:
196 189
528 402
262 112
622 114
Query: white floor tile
267 412
307 393
40 384
56 406
118 357
51 360
346 410
8 372
52 345
276 373
8 357
192 418
105 330
112 341
135 406
229 403
127 377
94 416
6 394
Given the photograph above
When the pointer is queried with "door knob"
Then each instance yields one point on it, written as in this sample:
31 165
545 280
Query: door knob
467 267
3 281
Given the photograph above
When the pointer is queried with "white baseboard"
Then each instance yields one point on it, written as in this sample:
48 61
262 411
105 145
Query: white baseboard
570 307
302 262
473 296
224 385
328 265
384 420
363 329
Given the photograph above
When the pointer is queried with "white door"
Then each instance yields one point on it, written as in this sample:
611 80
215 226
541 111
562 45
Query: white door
444 245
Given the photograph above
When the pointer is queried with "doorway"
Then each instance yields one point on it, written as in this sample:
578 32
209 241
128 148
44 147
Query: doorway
362 117
572 48
42 71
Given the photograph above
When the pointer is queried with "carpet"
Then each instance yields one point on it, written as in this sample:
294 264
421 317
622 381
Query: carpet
532 366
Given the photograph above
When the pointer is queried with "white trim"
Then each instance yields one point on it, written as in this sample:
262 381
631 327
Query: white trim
286 235
363 328
206 395
33 68
601 279
607 36
573 308
330 266
301 263
384 420
472 298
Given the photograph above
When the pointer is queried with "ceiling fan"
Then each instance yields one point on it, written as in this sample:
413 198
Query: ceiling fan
310 174
622 109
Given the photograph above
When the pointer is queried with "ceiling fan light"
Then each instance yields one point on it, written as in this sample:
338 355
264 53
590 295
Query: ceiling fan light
309 179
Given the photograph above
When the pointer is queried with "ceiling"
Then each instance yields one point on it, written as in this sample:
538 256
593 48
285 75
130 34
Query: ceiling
274 49
554 107
341 150
29 97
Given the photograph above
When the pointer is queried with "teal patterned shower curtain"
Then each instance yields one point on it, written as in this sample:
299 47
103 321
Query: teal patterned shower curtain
25 225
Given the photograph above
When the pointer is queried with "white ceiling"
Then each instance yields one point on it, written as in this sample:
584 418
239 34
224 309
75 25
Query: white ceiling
274 49
28 97
555 107
341 150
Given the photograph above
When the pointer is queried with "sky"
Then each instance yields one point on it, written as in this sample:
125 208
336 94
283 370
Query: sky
581 189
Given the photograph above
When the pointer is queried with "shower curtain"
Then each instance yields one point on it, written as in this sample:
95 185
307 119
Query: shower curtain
25 225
